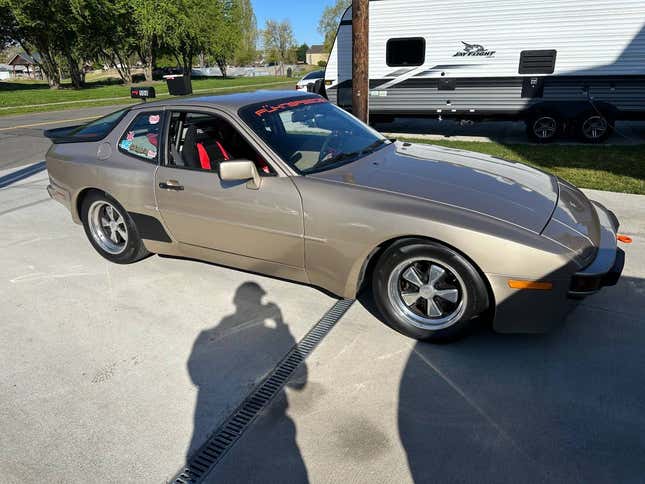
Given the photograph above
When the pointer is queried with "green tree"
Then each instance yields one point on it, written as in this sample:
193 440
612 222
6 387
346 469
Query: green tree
45 27
330 20
106 33
279 42
153 19
224 40
301 53
247 51
191 31
8 30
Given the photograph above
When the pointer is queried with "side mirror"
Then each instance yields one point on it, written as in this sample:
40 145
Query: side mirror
240 170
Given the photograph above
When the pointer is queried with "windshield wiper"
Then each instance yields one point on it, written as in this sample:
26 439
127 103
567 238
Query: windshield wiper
346 156
341 157
373 147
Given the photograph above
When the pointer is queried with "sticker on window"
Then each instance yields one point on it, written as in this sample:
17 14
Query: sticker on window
142 138
288 105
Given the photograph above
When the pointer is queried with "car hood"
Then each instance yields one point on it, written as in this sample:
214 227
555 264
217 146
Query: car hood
502 189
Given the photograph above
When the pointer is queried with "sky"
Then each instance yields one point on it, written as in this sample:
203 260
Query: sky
303 14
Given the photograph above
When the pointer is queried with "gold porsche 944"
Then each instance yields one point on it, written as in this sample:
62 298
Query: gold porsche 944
288 185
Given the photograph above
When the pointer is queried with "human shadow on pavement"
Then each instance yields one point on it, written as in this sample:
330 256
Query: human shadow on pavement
228 360
568 406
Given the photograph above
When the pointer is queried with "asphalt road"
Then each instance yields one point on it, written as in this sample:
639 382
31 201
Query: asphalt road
117 373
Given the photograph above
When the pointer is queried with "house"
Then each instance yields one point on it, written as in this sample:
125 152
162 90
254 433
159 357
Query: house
23 62
315 54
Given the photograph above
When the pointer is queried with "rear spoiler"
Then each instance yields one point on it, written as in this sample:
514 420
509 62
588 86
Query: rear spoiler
62 135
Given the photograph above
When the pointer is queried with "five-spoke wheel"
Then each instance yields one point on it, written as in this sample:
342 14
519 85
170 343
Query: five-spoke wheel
428 291
110 229
431 295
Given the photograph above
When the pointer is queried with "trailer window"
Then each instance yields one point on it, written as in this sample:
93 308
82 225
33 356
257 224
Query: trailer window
406 52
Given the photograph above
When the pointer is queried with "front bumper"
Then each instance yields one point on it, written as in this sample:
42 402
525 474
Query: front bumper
519 311
607 267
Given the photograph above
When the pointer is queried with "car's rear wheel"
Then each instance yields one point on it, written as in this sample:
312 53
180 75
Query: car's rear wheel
428 291
111 230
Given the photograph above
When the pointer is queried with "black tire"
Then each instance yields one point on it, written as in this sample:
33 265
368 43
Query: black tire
586 122
132 249
544 127
474 298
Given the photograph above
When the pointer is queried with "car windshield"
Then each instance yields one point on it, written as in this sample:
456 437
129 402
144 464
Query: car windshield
99 128
310 134
314 75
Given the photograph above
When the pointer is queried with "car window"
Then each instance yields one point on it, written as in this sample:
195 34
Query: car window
99 128
313 75
201 141
311 134
303 127
141 139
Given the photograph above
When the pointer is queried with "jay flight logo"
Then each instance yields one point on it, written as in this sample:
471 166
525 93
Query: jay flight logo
474 50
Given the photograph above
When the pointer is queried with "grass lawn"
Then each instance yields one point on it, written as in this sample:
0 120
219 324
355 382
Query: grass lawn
609 168
20 97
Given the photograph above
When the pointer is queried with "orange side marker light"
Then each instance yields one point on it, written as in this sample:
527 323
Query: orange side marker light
625 239
533 285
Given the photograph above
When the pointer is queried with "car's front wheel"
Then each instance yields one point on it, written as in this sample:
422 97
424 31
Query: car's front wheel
110 229
428 291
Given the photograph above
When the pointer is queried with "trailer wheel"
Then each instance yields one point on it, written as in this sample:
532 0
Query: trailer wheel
594 127
543 127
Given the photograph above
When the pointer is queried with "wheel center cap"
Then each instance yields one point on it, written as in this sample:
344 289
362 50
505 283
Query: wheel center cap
426 291
113 225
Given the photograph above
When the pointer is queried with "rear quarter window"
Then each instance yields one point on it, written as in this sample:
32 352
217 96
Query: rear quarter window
99 128
142 137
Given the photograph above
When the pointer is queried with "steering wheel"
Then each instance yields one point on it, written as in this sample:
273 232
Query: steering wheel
327 150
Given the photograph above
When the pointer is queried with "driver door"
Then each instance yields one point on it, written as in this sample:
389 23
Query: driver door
203 211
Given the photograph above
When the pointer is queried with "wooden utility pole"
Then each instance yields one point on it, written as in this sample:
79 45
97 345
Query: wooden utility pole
360 59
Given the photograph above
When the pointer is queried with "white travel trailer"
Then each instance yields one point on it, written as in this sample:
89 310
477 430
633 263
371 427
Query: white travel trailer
560 65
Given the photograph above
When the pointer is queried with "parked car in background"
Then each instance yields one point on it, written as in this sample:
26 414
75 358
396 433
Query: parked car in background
309 79
289 185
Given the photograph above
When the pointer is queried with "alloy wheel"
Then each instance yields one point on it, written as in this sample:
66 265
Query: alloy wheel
108 228
429 294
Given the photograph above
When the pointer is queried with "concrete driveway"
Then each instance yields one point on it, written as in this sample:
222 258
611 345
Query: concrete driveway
118 373
113 373
565 407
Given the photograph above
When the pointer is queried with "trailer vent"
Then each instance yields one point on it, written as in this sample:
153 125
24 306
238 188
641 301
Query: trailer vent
537 61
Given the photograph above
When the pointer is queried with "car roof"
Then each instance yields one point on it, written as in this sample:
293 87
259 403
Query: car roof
231 102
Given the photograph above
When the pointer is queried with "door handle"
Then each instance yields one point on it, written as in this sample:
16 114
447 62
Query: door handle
171 185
